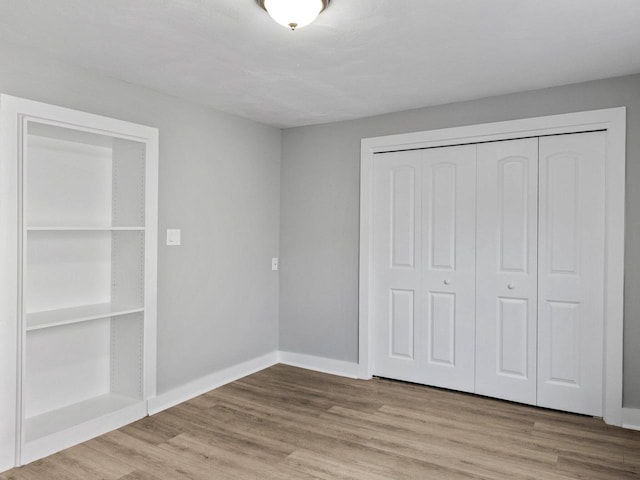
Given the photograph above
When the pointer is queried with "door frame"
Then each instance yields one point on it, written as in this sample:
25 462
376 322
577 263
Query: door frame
611 120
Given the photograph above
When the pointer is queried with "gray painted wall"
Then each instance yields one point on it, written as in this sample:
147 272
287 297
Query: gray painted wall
320 176
219 183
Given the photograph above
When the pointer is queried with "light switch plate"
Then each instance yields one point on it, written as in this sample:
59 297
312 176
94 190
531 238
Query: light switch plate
173 237
274 264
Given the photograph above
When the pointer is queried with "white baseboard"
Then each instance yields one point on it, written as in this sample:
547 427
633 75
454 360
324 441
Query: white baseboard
320 364
45 446
231 374
631 418
210 382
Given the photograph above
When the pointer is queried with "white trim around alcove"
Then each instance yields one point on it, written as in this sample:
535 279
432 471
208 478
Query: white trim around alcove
15 114
613 121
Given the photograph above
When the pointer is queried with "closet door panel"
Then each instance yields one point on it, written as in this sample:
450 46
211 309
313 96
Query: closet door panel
513 336
571 272
448 266
506 270
397 230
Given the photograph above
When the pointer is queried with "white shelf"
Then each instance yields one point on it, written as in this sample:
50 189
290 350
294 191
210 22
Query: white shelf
83 218
84 229
73 415
85 313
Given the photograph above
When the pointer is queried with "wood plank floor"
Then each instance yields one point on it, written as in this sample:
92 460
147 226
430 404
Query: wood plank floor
287 423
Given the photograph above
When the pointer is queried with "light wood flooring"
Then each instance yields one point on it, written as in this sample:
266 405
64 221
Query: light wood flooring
287 423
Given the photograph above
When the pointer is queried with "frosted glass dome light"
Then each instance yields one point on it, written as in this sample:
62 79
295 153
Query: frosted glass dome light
294 13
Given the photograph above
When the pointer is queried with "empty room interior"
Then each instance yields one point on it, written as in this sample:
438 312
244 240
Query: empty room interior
318 239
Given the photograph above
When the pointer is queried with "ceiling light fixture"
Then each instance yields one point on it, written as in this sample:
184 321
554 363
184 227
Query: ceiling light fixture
294 13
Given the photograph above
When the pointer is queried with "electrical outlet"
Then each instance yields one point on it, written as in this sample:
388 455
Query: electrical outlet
173 237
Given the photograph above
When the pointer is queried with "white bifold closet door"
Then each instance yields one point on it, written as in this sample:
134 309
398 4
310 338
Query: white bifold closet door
571 272
397 234
424 280
506 304
448 266
540 271
489 269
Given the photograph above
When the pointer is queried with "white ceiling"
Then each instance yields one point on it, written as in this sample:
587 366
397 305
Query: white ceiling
360 58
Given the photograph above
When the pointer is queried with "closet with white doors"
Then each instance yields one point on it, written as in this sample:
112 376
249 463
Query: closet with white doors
79 267
488 268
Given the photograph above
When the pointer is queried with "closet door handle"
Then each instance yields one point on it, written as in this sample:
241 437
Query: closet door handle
447 282
511 286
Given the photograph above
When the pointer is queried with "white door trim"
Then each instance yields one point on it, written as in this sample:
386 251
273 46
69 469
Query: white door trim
613 120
